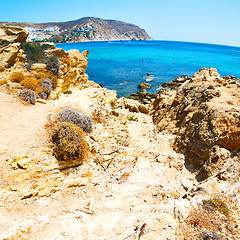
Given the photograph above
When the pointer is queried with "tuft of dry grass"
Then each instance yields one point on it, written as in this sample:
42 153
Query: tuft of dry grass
40 76
17 77
207 218
99 113
30 83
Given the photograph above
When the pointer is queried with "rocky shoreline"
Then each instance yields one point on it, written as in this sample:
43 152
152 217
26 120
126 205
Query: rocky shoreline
148 98
152 166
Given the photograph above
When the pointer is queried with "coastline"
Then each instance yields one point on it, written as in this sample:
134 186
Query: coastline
153 40
78 161
125 66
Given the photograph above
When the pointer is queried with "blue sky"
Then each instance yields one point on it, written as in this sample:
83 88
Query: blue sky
209 21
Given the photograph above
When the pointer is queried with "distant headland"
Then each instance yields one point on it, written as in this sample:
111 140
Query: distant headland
82 30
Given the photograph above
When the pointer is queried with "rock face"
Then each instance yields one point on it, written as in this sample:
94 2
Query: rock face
131 105
144 97
10 40
12 35
204 112
176 82
8 55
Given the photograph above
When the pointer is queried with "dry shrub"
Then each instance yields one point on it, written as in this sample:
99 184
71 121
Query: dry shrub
45 89
206 222
17 77
72 116
31 83
28 96
99 113
43 75
69 143
217 204
53 65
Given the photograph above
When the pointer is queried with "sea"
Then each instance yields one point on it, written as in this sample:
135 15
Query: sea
123 65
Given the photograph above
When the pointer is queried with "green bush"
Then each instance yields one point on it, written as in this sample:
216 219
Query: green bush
34 52
69 143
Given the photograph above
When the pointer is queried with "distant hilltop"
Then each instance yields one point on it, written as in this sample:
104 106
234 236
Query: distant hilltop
82 30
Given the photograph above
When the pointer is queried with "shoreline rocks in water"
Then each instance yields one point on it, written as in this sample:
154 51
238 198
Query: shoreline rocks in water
144 97
147 98
144 85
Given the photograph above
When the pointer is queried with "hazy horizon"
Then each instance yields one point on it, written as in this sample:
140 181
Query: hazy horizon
205 21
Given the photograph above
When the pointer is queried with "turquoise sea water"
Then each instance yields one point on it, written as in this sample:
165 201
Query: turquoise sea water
122 65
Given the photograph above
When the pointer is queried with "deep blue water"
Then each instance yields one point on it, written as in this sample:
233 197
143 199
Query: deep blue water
122 65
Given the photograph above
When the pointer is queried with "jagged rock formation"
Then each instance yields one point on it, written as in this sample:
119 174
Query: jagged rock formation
12 35
39 63
84 29
176 82
204 113
144 85
10 40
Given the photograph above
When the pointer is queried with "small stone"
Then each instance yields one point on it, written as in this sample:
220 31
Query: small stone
182 209
76 182
41 101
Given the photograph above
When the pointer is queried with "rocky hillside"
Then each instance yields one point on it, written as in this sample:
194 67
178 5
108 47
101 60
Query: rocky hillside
81 30
204 113
78 163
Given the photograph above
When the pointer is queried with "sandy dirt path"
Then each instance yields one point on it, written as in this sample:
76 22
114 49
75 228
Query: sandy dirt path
22 126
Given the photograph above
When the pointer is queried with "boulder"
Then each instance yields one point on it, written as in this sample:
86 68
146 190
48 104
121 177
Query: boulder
144 97
8 54
221 164
131 105
144 85
181 209
59 52
103 95
38 66
176 82
78 59
12 35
